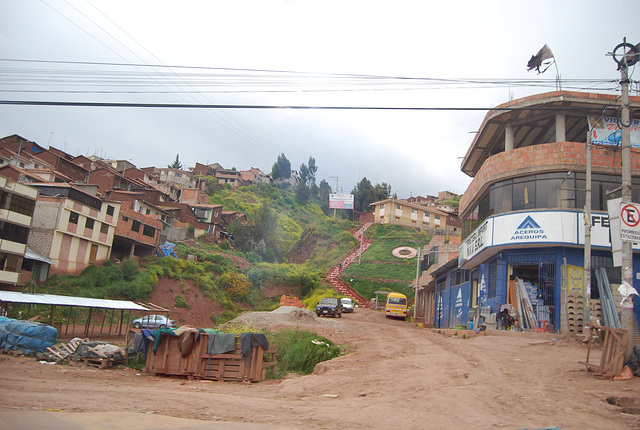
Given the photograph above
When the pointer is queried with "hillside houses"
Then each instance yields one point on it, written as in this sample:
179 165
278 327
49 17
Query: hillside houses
60 213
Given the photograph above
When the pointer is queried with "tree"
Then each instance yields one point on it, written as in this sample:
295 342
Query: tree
176 164
324 191
281 168
364 194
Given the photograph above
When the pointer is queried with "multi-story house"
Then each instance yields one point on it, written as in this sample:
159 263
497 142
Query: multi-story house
141 226
524 212
72 228
402 212
17 205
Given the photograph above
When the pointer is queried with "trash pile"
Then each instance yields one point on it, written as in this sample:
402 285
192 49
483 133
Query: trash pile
26 336
84 350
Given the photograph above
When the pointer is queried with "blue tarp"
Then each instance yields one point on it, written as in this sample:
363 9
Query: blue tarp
27 336
167 249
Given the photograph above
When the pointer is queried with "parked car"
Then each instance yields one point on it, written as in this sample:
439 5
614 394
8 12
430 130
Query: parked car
154 321
329 306
347 305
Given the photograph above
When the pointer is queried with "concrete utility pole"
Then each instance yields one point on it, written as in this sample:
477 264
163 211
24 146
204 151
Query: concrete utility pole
587 236
629 57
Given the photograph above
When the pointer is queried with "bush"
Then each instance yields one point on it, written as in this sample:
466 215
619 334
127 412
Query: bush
299 351
235 284
180 302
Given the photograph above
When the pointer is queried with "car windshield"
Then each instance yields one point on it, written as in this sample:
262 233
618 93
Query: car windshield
397 301
329 301
346 301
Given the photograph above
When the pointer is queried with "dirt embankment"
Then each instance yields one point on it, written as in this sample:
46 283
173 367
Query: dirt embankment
392 375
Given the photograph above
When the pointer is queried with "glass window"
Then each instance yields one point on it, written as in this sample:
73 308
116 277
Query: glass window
104 228
14 233
147 230
89 223
73 217
110 210
135 226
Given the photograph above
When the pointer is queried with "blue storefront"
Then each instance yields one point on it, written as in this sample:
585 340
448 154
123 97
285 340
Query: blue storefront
542 250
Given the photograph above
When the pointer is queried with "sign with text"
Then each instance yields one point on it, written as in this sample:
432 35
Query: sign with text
606 131
341 201
629 222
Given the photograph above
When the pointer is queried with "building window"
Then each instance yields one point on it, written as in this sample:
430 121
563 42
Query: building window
89 223
125 218
148 211
135 226
73 217
16 203
110 210
149 231
104 228
13 233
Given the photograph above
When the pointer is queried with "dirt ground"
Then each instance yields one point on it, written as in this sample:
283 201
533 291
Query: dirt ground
392 375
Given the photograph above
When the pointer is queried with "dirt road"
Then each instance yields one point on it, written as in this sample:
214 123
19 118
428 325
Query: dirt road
393 375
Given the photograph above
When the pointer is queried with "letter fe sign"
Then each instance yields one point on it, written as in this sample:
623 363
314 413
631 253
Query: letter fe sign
630 222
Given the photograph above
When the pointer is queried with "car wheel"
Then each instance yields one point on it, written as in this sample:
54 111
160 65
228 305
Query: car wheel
137 325
318 315
162 326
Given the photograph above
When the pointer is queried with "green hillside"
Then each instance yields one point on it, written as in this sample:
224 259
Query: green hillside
378 269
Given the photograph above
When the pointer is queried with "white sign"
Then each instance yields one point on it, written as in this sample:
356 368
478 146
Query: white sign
341 201
613 207
629 222
476 241
538 229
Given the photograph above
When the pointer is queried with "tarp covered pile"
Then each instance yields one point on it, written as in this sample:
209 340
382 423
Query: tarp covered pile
27 336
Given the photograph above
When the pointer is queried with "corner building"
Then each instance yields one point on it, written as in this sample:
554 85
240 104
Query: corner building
523 213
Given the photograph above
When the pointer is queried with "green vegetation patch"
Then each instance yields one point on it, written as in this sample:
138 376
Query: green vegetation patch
299 351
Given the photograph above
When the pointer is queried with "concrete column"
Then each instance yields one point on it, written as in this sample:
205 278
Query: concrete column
561 131
508 138
133 248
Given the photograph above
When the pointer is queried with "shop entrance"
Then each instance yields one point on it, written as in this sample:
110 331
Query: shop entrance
539 281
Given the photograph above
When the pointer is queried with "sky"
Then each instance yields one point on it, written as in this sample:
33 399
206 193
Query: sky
412 79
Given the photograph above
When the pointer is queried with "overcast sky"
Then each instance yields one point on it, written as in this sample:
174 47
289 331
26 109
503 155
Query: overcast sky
396 54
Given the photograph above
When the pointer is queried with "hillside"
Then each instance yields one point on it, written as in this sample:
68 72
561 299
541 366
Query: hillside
379 269
215 280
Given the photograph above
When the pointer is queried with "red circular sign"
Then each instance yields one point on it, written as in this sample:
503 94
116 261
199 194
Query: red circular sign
630 215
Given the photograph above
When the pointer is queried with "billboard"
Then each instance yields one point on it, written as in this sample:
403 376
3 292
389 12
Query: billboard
340 201
606 131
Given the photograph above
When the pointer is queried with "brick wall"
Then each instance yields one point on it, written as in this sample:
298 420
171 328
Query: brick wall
291 301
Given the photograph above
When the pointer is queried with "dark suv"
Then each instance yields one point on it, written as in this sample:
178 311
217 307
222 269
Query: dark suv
329 306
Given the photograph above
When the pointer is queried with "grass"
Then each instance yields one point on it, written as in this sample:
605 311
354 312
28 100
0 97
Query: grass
299 351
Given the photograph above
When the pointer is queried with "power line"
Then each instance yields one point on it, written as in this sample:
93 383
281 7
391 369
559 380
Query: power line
298 107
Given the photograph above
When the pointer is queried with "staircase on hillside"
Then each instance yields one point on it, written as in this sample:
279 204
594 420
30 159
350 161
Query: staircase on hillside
333 275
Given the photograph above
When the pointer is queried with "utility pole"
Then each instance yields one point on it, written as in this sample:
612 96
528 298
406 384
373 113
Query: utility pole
587 235
629 57
336 191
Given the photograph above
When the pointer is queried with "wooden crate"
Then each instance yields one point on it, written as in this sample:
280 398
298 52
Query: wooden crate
199 364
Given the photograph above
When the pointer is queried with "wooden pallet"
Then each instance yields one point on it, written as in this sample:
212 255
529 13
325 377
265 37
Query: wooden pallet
100 363
63 350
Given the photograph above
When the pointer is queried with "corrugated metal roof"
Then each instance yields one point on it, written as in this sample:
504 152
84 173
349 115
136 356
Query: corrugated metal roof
32 255
51 299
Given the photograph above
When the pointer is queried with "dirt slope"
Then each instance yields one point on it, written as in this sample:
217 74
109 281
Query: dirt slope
394 375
